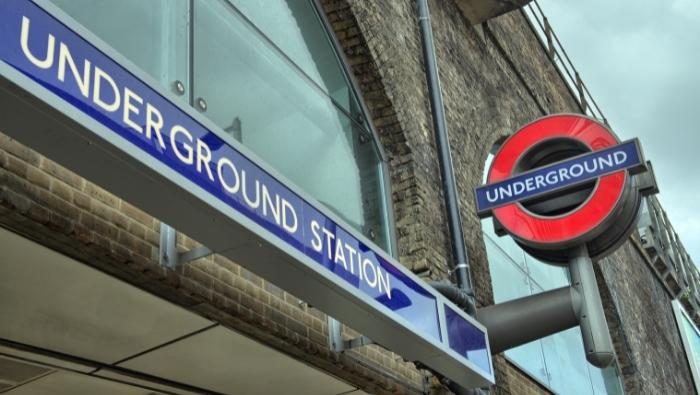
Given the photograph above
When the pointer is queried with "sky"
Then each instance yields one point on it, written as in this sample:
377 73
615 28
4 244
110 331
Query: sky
641 63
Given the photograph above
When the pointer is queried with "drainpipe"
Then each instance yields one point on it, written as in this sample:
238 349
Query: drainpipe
459 250
454 294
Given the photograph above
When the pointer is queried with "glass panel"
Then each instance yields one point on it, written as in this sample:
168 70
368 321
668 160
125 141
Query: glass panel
510 282
152 34
505 243
547 275
690 336
605 381
295 28
529 358
644 218
693 340
566 363
255 94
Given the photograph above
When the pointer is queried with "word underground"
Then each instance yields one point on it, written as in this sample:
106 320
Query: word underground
147 120
544 182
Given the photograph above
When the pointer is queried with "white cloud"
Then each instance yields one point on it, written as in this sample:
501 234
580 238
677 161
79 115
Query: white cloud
687 8
640 60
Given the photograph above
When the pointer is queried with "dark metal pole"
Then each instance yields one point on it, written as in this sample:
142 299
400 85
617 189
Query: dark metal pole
597 343
459 250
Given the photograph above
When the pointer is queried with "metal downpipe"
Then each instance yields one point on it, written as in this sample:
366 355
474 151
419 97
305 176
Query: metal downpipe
459 250
453 293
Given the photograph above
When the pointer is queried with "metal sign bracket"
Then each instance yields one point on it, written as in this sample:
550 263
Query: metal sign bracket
168 255
335 337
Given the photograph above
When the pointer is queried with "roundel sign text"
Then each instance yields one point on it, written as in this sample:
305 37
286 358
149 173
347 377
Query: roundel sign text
562 181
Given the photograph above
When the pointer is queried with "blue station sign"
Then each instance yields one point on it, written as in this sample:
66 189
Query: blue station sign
125 112
555 177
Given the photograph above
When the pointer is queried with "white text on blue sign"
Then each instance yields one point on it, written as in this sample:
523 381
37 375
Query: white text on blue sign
560 175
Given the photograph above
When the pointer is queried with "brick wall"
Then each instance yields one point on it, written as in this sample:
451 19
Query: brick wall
642 324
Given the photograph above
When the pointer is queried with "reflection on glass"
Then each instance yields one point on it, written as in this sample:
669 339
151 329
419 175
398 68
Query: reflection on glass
253 92
529 358
501 266
693 337
547 275
644 217
566 363
152 34
294 27
606 381
690 337
282 92
514 252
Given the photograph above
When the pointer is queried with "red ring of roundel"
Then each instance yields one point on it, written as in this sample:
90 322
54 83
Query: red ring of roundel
544 230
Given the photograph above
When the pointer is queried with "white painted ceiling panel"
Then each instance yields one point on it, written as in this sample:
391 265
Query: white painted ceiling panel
51 301
143 383
221 360
44 360
66 383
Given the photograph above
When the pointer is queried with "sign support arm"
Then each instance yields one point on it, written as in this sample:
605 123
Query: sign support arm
594 328
520 321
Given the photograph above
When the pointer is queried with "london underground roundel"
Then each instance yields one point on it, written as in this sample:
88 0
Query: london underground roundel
563 181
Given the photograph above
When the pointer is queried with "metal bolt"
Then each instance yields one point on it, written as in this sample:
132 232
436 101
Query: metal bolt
179 87
201 104
372 235
363 138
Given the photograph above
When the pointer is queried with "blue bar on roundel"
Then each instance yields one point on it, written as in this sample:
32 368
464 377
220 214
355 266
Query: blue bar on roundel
559 175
